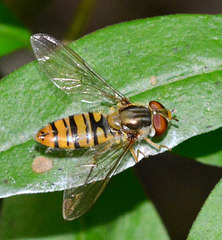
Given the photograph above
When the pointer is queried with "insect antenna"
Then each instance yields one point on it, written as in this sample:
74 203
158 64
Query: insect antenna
174 110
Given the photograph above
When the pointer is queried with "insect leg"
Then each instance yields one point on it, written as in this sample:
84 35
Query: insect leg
136 155
156 145
94 161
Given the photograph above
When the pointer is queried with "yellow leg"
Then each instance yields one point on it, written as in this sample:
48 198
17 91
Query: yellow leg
136 155
156 145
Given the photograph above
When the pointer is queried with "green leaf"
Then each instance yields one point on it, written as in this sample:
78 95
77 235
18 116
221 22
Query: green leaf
205 148
13 38
208 224
182 52
123 212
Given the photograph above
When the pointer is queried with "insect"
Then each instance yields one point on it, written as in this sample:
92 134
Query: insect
108 137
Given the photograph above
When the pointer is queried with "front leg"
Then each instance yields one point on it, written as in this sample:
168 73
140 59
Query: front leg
136 155
156 145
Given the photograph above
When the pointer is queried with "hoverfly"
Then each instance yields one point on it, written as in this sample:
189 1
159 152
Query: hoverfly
108 137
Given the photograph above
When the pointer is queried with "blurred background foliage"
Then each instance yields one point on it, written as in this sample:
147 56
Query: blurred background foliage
68 20
71 19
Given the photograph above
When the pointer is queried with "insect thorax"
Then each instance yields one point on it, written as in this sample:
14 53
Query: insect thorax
132 118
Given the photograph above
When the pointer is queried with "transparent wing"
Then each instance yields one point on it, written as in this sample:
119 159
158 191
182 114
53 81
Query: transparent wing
69 72
102 165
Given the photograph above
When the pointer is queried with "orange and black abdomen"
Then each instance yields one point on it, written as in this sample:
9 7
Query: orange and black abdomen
76 131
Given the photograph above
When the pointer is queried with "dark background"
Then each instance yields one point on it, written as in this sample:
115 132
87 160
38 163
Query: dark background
186 182
55 17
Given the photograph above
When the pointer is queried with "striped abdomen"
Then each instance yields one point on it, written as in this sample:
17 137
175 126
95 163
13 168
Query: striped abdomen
77 131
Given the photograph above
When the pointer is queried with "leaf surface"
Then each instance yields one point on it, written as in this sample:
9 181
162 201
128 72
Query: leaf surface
184 59
208 224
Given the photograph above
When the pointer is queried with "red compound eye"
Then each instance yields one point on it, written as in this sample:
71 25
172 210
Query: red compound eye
160 124
155 105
